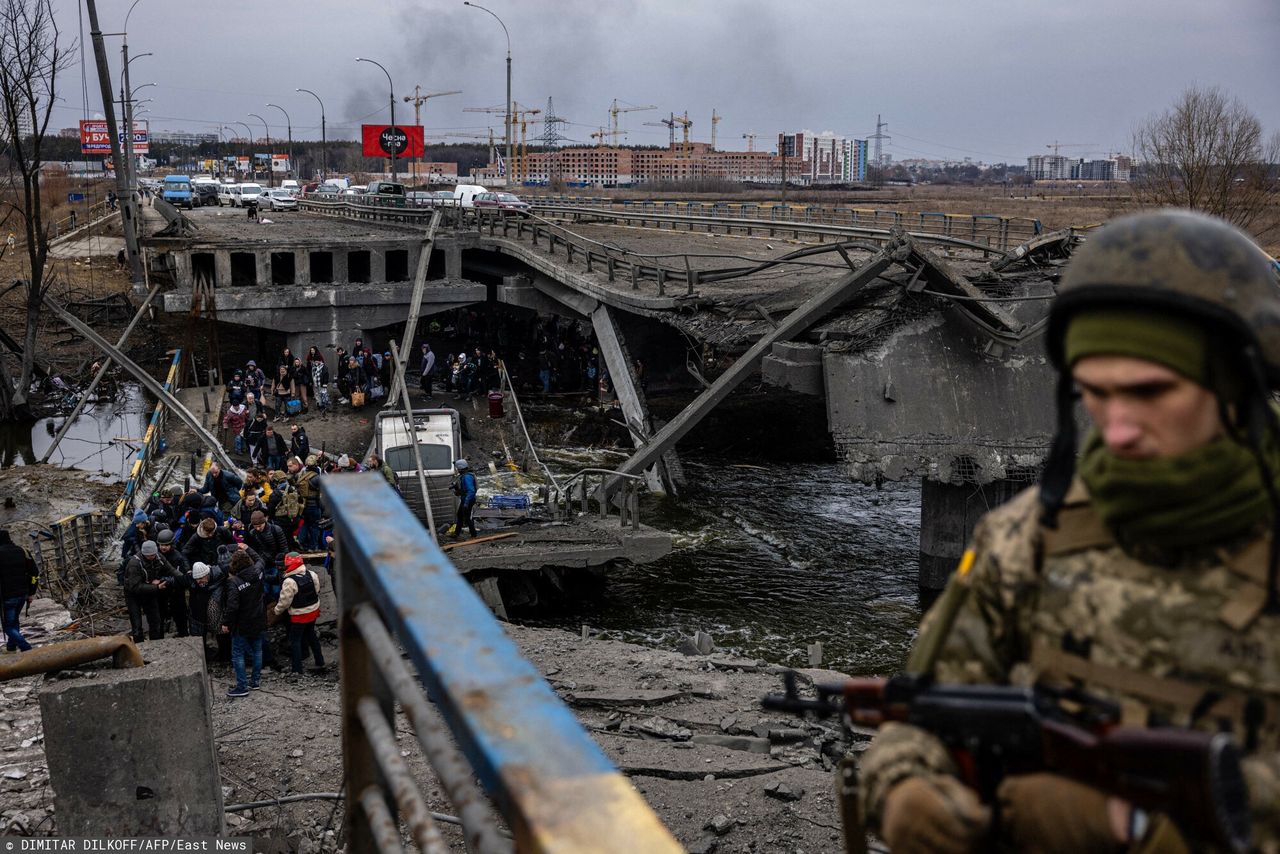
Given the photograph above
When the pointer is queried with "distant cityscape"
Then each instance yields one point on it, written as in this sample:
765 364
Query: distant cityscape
803 157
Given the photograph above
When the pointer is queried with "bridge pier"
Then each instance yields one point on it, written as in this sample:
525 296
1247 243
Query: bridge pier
948 513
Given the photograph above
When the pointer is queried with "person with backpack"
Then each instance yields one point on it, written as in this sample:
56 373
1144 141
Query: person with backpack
147 577
464 486
307 485
245 618
284 507
300 596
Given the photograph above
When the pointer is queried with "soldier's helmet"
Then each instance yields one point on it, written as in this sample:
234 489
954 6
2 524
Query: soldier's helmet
1187 264
1181 262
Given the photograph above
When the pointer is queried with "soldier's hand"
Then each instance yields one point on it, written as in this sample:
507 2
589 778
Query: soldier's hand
939 815
1046 814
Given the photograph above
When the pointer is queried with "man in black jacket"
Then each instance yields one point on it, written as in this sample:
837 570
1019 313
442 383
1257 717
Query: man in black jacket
18 579
245 618
203 545
147 578
269 541
224 486
173 602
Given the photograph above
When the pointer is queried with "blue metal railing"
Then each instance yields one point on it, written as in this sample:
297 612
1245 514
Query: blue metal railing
150 442
549 781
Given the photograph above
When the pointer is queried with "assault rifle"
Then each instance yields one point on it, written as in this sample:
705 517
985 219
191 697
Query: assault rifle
1190 776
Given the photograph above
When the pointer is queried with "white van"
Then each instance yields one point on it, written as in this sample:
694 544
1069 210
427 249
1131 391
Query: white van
227 194
440 438
465 194
245 192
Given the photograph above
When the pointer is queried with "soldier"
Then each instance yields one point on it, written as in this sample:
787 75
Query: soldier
1145 570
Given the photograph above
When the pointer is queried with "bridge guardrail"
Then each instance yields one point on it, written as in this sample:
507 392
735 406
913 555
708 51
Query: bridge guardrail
998 231
628 503
549 782
680 275
150 442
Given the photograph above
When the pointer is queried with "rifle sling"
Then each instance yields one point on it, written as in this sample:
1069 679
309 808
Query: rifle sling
1185 697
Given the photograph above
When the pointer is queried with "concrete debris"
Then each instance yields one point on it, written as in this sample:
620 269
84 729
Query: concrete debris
700 644
747 665
14 774
720 825
734 742
662 728
296 753
787 734
783 792
637 697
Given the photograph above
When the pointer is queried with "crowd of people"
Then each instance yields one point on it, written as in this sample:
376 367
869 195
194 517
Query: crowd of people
225 558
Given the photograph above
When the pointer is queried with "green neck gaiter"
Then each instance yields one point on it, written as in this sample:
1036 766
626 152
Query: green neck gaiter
1208 495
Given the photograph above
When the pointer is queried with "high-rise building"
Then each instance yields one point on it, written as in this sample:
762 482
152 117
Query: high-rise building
827 157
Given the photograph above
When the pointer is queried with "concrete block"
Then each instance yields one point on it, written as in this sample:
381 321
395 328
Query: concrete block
793 365
131 752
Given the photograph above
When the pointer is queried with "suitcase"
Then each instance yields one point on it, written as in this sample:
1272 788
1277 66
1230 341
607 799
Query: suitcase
293 406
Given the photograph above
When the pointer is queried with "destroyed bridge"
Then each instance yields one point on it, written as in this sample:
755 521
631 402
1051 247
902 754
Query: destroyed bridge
918 332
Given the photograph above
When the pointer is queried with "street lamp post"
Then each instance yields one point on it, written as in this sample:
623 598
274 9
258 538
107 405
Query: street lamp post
288 122
271 181
510 118
126 96
393 106
248 135
324 154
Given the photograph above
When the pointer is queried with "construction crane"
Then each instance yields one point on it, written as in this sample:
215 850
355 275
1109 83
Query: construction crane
750 137
1055 145
521 167
685 123
613 117
418 99
600 136
715 120
671 129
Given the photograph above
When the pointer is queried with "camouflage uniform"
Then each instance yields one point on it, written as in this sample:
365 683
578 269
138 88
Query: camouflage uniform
1161 636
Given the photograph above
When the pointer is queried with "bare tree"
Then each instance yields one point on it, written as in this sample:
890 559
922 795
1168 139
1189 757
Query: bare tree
1208 152
31 58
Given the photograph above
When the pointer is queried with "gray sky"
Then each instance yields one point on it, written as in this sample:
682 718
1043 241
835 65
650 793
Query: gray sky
992 79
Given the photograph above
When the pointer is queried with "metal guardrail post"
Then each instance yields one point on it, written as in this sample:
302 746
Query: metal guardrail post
358 679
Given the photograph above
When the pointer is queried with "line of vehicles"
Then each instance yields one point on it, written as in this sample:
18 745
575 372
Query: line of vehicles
193 192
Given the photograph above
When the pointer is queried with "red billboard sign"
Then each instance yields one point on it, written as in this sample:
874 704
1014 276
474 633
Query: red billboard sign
94 138
389 140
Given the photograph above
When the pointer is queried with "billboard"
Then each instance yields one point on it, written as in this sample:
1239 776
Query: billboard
94 138
389 140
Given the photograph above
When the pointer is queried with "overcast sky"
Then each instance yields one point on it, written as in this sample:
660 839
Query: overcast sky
995 80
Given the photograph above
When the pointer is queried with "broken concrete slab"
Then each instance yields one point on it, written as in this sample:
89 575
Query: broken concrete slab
126 720
625 697
734 742
784 791
695 761
662 728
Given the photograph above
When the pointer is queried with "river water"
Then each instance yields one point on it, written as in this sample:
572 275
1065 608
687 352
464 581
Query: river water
104 438
769 558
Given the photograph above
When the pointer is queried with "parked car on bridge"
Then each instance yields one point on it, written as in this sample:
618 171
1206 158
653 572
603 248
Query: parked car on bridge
277 200
177 191
507 203
206 193
245 192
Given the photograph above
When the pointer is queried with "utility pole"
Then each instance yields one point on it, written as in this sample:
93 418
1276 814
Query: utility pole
127 211
324 145
879 136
